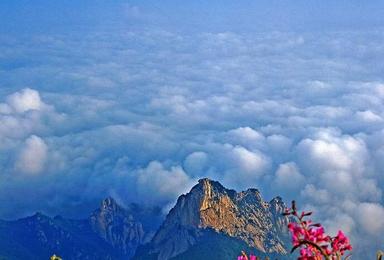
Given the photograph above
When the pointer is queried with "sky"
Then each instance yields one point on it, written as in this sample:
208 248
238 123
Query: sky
139 99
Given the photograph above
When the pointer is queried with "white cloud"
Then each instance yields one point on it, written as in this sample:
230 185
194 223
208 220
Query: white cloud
325 155
368 116
252 163
379 89
239 167
158 185
196 163
340 221
33 156
5 109
25 100
313 194
247 134
328 151
288 176
370 218
279 144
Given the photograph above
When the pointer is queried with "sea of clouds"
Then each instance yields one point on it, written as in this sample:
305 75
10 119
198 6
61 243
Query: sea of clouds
141 115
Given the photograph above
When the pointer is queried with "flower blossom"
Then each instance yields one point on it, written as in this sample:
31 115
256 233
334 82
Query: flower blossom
312 240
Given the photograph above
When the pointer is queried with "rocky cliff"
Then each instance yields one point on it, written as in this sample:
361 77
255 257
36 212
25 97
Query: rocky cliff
209 208
118 227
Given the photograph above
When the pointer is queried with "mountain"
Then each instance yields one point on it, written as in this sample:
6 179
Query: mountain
111 232
117 226
212 222
209 222
39 236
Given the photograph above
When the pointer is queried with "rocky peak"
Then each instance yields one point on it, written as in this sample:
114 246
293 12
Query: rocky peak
208 184
39 216
117 226
37 219
110 205
277 203
251 196
210 206
209 192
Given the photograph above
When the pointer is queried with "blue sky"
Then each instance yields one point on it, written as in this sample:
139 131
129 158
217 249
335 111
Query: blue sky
131 98
41 15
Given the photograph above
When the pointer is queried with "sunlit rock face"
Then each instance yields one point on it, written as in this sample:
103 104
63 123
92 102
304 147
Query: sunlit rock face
209 207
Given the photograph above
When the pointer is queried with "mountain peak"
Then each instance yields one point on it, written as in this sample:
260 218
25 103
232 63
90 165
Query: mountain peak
109 210
109 207
38 216
210 182
210 206
208 187
205 180
277 200
117 226
109 203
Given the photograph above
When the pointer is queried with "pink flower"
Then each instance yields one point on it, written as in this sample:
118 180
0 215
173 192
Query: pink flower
242 257
341 243
245 257
313 241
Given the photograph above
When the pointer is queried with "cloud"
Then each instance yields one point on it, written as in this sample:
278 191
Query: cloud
341 221
316 195
33 156
246 134
288 177
370 218
24 113
129 112
249 162
196 163
25 100
247 137
330 151
166 184
379 89
368 116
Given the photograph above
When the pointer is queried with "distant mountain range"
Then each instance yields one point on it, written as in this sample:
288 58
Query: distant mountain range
209 222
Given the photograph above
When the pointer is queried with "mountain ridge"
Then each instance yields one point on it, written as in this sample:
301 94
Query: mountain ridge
208 217
110 232
210 207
